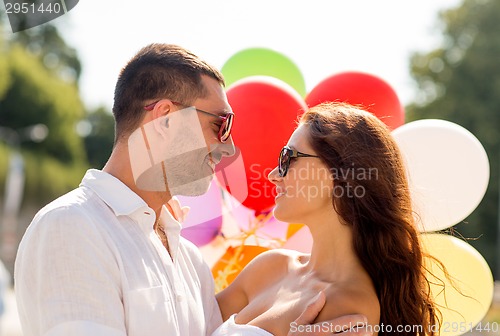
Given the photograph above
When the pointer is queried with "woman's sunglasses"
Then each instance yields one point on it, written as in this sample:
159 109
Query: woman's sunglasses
286 156
227 119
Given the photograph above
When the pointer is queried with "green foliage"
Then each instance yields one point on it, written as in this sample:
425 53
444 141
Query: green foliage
37 96
460 82
4 71
45 42
48 178
4 165
99 143
38 84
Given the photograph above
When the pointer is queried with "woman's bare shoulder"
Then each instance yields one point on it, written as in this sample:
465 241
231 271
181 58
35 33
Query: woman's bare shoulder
263 271
273 261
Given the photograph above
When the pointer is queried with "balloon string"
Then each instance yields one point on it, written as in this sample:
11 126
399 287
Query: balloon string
233 264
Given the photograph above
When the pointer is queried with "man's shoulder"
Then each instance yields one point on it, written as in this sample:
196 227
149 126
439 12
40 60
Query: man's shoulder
69 206
73 197
64 221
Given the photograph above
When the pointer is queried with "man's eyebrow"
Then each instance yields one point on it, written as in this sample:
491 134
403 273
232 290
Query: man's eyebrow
221 110
219 113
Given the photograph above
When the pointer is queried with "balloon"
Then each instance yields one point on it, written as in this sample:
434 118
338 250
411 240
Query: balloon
448 171
203 233
266 111
470 275
266 229
204 219
293 228
263 62
232 262
274 229
301 241
230 173
357 88
203 207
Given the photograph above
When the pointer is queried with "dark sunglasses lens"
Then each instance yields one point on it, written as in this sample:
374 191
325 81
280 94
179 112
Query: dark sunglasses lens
283 162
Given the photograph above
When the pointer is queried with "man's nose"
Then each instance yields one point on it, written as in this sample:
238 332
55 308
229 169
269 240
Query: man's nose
227 148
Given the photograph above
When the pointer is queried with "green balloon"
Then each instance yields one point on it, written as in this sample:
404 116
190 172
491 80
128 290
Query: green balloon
263 62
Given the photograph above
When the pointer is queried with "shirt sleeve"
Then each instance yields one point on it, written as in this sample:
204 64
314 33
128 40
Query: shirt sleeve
67 278
212 311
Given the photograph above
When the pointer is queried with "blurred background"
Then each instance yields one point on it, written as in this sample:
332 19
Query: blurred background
57 82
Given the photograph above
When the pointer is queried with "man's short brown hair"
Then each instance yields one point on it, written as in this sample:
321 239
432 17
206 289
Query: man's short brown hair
158 71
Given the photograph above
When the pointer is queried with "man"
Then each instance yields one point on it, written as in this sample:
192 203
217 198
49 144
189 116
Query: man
107 258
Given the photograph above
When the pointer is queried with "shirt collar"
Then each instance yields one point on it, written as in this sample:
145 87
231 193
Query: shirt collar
172 229
113 192
124 202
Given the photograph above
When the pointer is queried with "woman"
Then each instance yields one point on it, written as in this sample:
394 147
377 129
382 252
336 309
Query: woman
342 175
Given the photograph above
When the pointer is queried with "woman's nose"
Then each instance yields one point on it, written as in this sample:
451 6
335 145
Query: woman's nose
274 176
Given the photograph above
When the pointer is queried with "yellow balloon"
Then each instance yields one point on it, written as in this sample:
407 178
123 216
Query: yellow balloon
466 297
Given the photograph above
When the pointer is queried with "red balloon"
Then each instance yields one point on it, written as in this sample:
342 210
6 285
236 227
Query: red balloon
266 111
357 88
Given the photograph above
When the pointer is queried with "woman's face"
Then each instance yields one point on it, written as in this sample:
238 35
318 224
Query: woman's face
307 188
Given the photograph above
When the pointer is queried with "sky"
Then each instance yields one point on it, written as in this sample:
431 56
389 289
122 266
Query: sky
322 37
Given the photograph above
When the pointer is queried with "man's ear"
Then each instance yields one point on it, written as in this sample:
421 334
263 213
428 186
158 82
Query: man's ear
161 108
160 115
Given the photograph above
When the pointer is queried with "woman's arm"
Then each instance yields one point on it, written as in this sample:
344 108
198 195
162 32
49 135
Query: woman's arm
303 326
263 270
232 299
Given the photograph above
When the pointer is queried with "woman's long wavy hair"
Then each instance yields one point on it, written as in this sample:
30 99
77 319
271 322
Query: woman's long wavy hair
380 213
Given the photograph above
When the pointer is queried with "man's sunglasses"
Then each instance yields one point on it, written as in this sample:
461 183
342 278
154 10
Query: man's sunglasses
286 156
225 127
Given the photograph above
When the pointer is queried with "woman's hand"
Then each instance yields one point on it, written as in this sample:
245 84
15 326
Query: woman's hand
349 325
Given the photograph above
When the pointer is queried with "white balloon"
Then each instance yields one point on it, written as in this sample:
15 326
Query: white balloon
448 171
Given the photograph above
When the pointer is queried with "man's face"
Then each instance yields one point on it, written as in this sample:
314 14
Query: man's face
195 170
178 147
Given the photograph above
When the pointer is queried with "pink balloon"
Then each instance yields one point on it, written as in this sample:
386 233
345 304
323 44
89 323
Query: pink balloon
270 229
301 241
204 220
204 207
203 233
275 229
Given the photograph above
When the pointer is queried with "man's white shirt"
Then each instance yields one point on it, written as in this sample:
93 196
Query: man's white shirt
91 264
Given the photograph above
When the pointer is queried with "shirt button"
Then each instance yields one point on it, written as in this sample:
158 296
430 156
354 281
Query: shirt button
179 298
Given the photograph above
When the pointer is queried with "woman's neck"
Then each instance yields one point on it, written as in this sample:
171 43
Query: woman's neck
333 258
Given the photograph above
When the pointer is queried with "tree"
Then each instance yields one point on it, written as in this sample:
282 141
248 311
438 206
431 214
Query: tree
4 73
99 140
460 82
39 84
36 95
4 77
45 42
